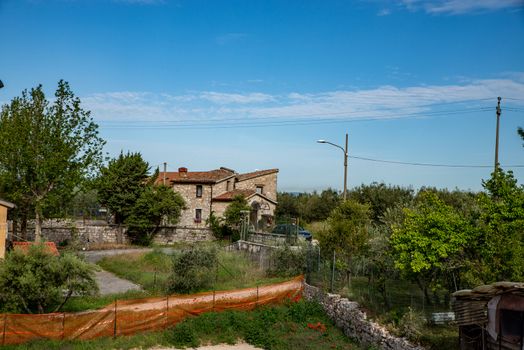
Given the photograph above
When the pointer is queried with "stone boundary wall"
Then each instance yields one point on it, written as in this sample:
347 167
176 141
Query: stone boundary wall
100 232
348 316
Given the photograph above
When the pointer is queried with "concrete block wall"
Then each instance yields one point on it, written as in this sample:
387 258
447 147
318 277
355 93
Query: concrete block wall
348 316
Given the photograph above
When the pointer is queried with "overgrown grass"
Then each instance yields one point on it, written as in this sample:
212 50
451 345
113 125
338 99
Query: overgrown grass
152 270
83 303
283 327
404 298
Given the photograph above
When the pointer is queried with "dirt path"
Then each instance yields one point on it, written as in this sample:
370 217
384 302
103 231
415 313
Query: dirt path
111 284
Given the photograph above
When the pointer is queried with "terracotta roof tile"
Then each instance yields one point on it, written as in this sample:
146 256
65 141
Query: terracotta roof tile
211 176
228 196
253 174
50 247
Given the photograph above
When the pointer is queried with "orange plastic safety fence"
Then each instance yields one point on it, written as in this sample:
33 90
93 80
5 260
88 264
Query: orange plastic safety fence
128 317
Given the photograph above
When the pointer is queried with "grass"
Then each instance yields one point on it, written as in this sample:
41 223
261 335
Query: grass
83 303
152 270
403 296
283 327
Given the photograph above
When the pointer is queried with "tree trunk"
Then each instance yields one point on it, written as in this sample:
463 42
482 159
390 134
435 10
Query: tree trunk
38 224
23 226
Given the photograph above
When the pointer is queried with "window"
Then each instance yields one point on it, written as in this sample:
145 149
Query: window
228 186
198 215
260 189
199 191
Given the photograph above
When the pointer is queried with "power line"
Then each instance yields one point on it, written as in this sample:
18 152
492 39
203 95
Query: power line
431 164
270 122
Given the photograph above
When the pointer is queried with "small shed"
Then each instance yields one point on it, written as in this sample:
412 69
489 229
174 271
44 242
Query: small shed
490 316
4 205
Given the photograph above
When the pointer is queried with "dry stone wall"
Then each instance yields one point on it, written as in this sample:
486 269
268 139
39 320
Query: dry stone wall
99 232
349 317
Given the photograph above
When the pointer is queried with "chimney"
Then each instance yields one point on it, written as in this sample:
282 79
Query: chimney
182 171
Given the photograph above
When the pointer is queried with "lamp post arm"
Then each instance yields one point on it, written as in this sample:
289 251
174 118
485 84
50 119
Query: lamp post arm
333 144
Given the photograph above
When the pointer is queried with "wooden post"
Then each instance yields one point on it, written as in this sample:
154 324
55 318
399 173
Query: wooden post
5 325
63 325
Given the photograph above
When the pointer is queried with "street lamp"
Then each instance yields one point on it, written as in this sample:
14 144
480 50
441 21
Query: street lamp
345 150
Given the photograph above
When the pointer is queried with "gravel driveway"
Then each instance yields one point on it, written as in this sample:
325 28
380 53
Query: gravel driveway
108 282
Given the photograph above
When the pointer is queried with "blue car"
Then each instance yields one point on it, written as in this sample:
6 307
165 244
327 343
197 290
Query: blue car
291 229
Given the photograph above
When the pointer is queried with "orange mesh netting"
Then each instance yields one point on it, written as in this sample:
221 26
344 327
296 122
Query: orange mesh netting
128 317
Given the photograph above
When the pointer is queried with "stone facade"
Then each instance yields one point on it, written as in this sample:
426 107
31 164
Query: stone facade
99 232
267 182
349 317
211 192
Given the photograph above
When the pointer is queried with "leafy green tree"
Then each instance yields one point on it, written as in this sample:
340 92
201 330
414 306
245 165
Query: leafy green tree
37 281
233 213
121 184
46 149
501 235
155 206
380 197
287 207
347 233
430 242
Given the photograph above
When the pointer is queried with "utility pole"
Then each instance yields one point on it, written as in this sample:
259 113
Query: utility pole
346 168
165 169
345 150
497 136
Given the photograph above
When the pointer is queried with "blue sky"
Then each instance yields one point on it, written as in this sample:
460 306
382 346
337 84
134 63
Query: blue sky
253 84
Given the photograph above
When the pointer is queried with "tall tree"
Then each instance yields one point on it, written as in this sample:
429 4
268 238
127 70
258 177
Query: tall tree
155 205
430 242
121 183
501 239
347 233
46 149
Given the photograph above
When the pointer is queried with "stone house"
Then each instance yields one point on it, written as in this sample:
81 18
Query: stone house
207 192
4 205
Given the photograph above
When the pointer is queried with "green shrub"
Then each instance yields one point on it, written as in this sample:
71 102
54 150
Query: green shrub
183 335
193 269
37 281
411 324
286 262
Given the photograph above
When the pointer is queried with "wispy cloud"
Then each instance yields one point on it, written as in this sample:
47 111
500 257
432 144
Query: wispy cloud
384 12
230 38
379 103
457 7
141 2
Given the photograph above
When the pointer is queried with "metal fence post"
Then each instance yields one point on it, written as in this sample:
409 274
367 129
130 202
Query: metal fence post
63 325
167 311
333 273
114 325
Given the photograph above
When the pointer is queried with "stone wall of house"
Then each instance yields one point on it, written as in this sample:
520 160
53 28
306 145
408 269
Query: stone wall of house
188 192
349 317
268 181
99 232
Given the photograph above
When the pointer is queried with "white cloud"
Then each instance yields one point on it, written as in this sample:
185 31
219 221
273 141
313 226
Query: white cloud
384 12
456 7
226 98
229 38
141 2
378 103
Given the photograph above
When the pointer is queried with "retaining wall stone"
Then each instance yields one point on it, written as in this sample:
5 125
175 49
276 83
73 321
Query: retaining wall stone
348 316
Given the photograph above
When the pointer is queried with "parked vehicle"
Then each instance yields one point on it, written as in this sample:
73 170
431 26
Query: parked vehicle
291 229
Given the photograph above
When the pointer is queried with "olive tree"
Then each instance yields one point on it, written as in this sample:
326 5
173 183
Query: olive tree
47 149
